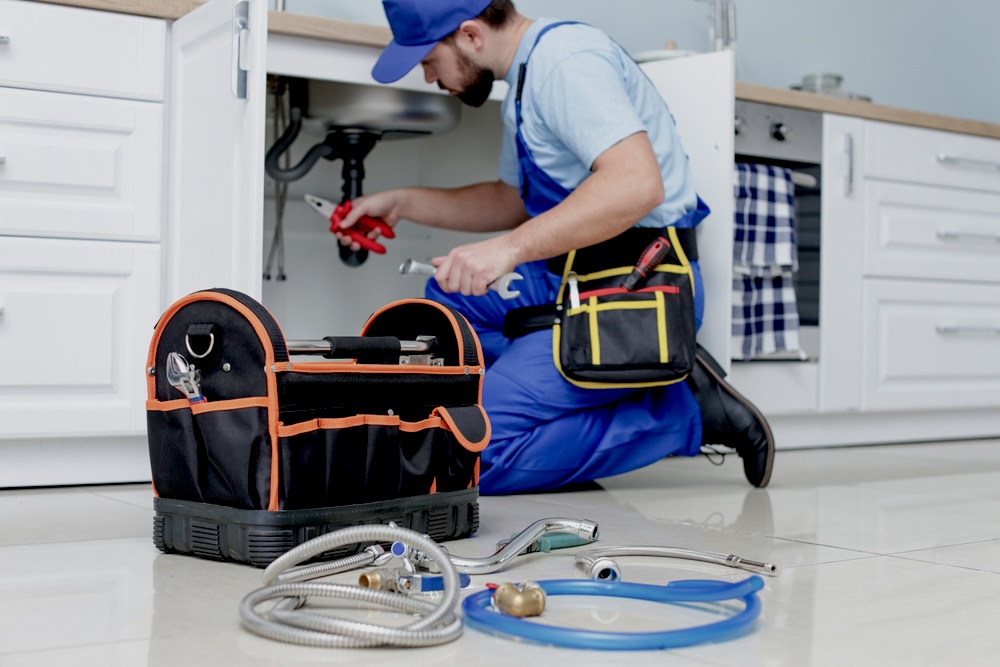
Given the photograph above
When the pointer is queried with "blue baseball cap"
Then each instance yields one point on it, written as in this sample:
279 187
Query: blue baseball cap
417 27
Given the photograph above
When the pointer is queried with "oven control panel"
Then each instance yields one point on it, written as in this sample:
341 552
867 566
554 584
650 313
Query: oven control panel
778 133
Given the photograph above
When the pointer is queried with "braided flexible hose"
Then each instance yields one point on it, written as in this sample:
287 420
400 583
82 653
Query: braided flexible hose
283 622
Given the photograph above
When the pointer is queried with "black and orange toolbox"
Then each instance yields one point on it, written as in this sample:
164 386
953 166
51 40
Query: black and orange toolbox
253 453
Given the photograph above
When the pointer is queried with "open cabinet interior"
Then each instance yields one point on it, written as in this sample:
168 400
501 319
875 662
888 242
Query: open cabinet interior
321 294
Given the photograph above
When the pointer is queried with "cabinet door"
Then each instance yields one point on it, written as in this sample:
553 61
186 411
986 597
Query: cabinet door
700 92
77 50
920 232
930 345
80 167
841 266
216 149
76 318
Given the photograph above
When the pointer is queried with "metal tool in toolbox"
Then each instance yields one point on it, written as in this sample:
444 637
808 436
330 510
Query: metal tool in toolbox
372 349
184 377
358 233
501 285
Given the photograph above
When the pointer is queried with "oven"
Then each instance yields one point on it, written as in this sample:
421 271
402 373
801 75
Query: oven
793 139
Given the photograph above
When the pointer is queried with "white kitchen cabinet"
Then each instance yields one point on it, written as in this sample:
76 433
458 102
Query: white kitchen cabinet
80 167
922 232
81 212
930 345
75 324
83 273
841 260
213 235
931 157
68 49
931 278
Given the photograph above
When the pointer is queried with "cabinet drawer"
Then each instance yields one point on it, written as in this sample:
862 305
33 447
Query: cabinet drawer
80 167
902 153
51 47
926 232
930 346
76 318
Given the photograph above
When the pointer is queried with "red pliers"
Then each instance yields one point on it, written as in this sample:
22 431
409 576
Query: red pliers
359 231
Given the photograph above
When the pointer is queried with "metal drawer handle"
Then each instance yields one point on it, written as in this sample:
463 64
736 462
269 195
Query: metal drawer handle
849 178
968 236
959 161
947 329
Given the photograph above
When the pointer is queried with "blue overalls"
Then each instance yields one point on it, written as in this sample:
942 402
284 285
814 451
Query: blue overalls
547 432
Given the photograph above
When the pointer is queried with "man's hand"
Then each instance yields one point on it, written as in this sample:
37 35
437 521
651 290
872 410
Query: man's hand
384 205
471 268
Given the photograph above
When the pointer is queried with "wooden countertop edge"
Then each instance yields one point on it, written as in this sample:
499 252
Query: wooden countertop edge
750 92
161 9
315 27
297 25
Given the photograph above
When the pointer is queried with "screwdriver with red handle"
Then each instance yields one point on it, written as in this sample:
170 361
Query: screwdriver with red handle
651 257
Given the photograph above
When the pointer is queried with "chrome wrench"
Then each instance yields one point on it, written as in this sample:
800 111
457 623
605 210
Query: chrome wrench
183 377
501 285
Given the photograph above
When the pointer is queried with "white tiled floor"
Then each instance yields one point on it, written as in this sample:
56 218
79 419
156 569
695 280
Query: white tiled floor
887 556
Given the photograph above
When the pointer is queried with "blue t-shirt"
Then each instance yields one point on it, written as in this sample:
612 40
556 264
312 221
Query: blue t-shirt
582 95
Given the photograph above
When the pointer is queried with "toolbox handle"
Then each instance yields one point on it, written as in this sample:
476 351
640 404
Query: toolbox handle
362 348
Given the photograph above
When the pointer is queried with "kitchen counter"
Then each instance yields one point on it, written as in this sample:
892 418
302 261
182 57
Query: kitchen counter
313 27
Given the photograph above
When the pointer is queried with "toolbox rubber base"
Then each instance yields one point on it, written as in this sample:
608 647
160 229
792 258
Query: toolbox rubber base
258 537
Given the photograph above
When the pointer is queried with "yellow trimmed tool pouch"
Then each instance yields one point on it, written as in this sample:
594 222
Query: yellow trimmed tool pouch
608 335
253 453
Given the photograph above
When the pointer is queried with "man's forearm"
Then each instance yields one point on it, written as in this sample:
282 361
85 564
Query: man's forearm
483 207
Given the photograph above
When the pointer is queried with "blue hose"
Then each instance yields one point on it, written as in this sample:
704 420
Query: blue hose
478 614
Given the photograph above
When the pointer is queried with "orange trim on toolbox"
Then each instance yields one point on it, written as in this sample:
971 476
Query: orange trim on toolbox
168 406
422 425
340 422
233 404
434 485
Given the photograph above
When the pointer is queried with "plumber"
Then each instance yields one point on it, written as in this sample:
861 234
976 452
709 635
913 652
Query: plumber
589 152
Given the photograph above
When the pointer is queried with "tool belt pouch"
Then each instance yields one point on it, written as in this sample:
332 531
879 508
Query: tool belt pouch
280 452
605 336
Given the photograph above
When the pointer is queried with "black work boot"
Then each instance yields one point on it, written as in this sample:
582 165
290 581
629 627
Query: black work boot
731 420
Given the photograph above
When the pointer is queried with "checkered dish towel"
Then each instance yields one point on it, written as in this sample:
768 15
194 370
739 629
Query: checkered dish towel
765 315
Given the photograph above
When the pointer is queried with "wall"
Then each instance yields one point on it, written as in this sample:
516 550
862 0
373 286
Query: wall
938 57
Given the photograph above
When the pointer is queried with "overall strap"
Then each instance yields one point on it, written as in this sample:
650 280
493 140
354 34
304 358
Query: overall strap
523 69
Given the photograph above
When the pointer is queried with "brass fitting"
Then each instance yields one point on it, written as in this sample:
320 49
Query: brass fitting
521 600
377 580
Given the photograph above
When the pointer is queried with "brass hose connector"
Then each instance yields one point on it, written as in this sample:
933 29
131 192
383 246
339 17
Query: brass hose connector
521 600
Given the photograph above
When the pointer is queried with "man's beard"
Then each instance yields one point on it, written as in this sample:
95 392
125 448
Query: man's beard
478 82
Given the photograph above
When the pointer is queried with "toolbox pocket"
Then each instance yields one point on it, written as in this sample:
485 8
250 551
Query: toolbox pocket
215 452
369 458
